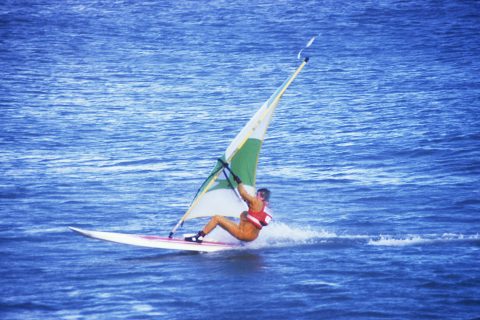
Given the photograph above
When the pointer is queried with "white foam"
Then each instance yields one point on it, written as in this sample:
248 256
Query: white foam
280 232
391 241
385 240
281 235
142 307
276 234
319 283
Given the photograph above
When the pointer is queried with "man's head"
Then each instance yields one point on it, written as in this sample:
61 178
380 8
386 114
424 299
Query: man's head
263 194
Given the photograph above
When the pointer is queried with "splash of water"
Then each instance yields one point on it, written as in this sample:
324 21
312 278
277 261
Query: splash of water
277 234
282 235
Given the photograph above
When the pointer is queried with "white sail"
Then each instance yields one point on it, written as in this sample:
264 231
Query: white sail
217 195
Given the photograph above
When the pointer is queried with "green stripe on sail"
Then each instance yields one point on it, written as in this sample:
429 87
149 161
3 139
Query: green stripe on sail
245 161
216 170
243 164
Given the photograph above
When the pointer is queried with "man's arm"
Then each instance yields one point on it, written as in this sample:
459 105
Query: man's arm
251 200
245 195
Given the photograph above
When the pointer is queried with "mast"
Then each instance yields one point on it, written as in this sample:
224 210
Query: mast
250 137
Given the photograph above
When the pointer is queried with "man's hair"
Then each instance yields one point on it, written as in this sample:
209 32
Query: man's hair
265 193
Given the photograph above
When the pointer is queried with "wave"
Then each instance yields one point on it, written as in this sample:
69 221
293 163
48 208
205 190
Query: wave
283 235
409 240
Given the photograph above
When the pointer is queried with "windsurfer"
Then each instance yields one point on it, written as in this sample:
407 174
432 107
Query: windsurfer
251 221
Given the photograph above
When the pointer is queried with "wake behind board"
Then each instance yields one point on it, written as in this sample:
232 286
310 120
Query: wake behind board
155 241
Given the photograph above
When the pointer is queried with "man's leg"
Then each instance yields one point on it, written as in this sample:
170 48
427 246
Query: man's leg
225 223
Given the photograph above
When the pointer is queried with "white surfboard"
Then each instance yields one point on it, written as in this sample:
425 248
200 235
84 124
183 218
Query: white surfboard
156 241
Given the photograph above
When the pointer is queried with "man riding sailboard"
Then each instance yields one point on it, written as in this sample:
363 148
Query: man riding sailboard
251 221
229 190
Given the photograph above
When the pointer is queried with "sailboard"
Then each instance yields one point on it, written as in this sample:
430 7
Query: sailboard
156 242
218 194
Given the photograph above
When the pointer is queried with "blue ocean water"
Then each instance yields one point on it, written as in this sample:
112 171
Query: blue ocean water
113 113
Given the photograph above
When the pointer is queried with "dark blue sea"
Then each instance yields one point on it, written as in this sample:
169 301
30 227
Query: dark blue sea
114 112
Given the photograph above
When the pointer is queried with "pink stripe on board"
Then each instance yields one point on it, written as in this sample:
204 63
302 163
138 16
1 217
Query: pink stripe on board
204 243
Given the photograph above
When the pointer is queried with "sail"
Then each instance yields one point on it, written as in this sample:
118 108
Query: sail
218 195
